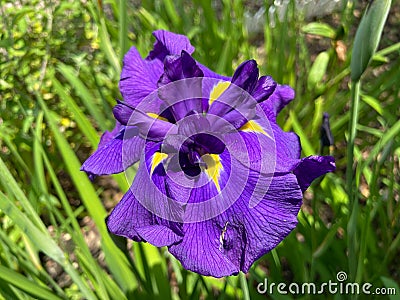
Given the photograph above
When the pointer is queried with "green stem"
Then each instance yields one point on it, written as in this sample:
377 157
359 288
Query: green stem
243 284
123 31
350 182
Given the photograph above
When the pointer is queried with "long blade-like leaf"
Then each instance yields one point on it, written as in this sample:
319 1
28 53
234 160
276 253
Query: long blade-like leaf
368 36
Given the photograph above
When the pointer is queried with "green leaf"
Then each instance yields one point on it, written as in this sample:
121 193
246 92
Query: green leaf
321 29
393 286
172 13
389 135
83 123
22 13
368 36
105 40
6 43
117 262
26 285
308 149
123 29
318 70
149 20
87 98
374 103
9 182
37 158
42 240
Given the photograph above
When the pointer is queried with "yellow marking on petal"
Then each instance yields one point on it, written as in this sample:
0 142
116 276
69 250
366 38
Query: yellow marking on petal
155 116
158 157
218 90
253 126
214 168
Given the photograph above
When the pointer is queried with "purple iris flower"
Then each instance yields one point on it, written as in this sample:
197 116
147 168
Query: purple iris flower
219 183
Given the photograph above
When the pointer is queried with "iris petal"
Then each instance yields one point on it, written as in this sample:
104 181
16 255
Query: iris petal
139 77
282 96
216 188
182 96
131 220
246 76
240 235
158 235
235 104
264 88
149 186
115 155
268 223
199 250
168 43
154 129
109 135
312 167
128 215
287 143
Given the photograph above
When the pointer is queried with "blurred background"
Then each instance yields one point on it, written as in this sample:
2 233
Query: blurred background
59 69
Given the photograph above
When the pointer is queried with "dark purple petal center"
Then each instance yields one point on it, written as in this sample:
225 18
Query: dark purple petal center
191 150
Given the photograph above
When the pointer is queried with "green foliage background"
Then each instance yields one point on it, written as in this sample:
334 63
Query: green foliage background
59 68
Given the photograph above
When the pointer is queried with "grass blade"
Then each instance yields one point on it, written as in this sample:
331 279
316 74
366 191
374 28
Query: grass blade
116 260
83 123
123 29
42 240
26 285
87 98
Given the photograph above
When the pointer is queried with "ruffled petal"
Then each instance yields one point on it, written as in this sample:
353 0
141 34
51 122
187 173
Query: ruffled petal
158 235
264 157
268 144
269 222
255 147
213 190
199 250
282 96
139 77
235 238
116 155
109 135
127 216
149 185
146 210
312 167
131 220
169 43
287 143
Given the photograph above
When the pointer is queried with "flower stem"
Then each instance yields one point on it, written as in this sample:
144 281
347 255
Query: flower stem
350 182
243 284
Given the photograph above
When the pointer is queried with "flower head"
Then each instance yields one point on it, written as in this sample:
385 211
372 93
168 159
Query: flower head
218 181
